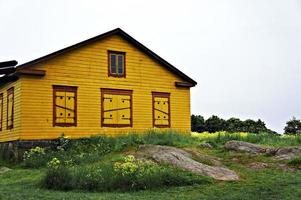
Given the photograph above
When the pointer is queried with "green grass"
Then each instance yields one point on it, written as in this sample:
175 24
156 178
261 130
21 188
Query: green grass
295 161
90 150
220 138
270 183
254 184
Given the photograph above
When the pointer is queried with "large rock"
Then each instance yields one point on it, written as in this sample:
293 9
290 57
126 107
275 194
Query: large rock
284 153
182 159
280 153
244 147
4 169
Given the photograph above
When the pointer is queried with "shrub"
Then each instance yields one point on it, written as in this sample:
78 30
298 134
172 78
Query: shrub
128 174
295 161
35 157
58 179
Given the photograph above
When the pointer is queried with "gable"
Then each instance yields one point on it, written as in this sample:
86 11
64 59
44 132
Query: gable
96 40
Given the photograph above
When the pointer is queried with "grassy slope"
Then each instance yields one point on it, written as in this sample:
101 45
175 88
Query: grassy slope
254 184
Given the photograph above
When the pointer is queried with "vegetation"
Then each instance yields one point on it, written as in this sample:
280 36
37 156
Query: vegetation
293 126
128 174
90 150
220 138
295 162
215 124
102 168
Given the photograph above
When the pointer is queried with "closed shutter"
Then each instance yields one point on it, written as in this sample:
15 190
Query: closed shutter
124 109
110 113
60 107
65 100
10 108
70 107
161 110
117 108
1 111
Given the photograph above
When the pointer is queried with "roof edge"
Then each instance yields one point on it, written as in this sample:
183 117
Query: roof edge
106 34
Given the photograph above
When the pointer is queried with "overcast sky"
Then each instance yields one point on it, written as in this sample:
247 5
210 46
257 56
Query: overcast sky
244 54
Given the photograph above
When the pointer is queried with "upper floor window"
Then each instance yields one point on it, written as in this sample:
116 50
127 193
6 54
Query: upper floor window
1 110
10 108
116 108
64 105
116 63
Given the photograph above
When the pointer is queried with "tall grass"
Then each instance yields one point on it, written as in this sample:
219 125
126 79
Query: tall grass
220 138
89 150
129 177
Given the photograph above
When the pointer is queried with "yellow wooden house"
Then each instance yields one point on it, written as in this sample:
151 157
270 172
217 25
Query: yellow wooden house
108 84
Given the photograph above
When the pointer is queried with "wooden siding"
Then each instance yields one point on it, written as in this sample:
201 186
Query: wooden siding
14 133
87 68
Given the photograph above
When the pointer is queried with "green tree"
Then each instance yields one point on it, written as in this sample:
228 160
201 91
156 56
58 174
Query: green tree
233 125
197 123
214 124
293 126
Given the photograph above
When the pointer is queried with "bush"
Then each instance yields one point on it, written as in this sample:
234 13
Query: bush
58 179
35 157
128 174
295 161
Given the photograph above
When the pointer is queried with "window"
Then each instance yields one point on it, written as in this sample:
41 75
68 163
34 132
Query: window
161 109
116 108
64 106
10 109
116 63
1 111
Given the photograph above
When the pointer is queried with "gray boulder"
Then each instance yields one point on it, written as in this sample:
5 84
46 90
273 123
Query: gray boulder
284 153
280 153
4 169
205 145
244 147
183 160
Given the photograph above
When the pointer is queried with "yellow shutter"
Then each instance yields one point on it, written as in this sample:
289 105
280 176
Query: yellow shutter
60 97
10 110
161 109
124 109
1 110
70 112
157 113
109 109
164 111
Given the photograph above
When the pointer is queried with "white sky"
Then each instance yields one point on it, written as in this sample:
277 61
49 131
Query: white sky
244 54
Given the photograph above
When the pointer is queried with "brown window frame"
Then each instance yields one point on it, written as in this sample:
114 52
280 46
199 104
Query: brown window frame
109 64
164 95
116 92
9 92
1 114
63 88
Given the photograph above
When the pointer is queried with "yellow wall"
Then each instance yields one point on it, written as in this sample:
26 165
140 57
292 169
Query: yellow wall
11 134
87 68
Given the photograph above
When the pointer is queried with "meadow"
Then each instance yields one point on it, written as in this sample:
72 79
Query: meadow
102 168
